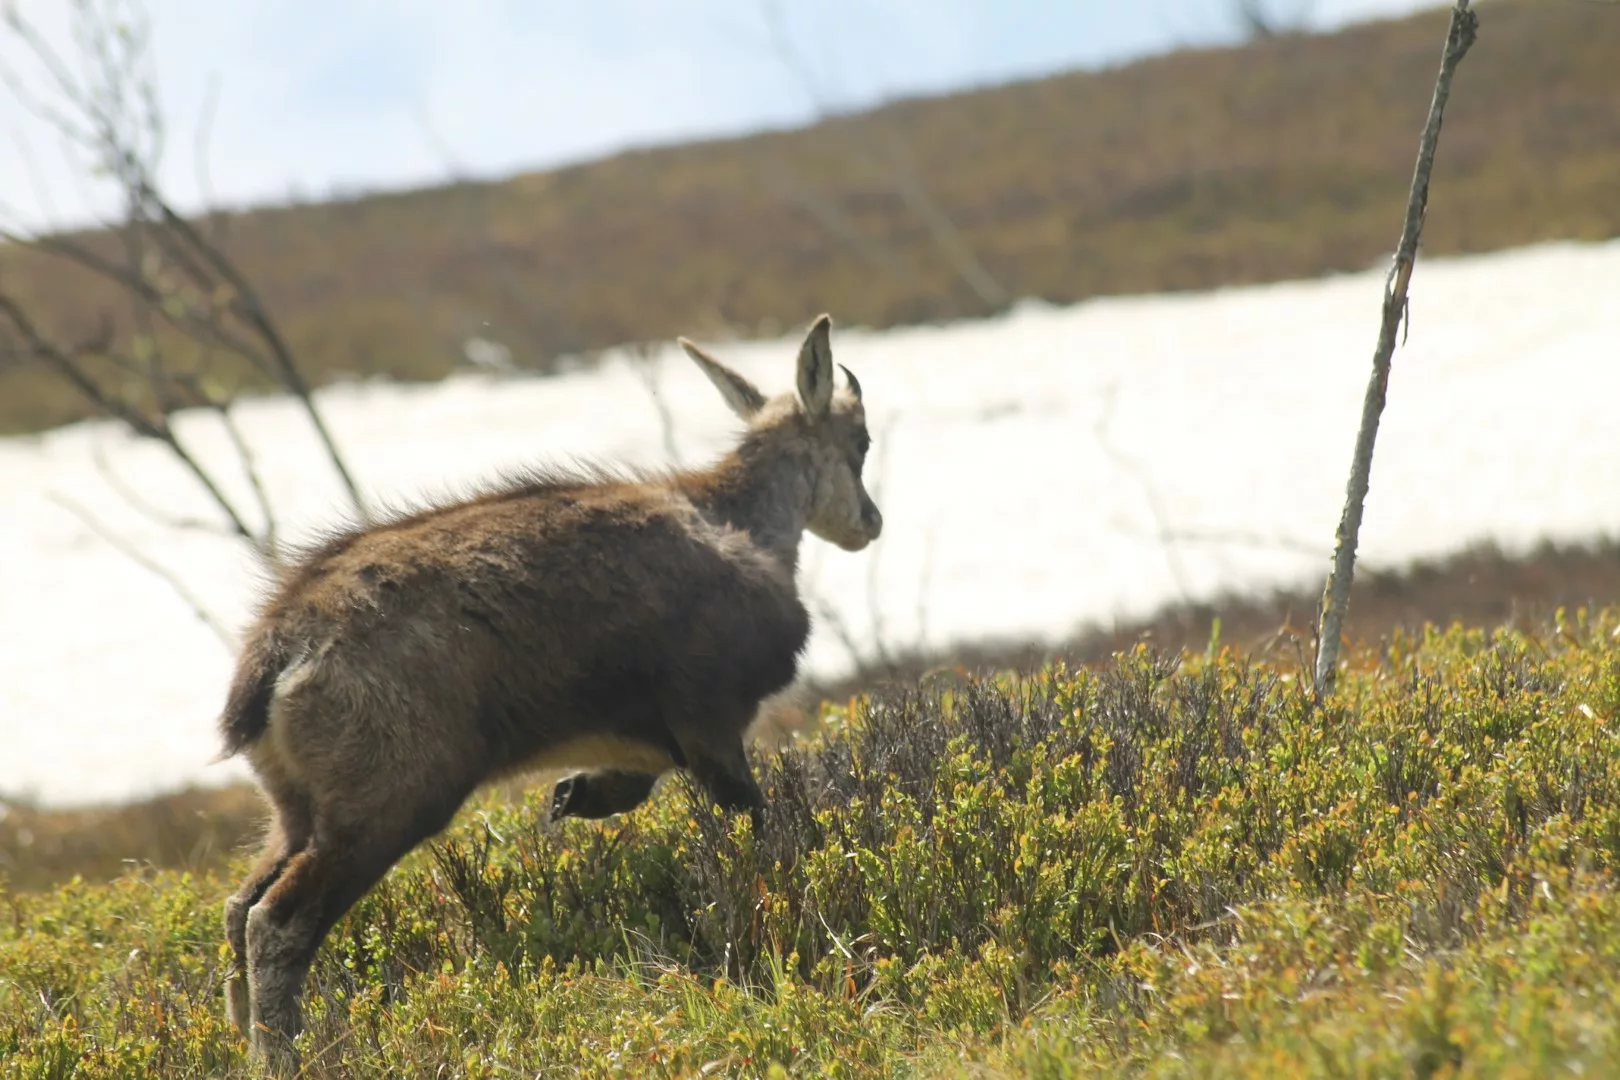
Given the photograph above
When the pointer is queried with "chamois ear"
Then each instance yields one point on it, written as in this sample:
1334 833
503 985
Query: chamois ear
854 383
816 369
743 396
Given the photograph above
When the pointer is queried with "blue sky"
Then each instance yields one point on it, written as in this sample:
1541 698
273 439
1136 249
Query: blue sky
312 97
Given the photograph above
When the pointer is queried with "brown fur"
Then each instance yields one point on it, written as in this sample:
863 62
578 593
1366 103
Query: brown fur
618 626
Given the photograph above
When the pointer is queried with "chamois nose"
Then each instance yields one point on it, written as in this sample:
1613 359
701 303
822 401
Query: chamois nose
872 518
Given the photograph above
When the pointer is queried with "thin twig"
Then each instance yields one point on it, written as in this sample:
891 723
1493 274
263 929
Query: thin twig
109 475
247 306
874 604
790 186
139 557
947 237
828 615
644 363
925 585
1336 597
888 166
203 328
70 368
1240 538
1259 22
1150 494
36 179
205 130
250 469
123 129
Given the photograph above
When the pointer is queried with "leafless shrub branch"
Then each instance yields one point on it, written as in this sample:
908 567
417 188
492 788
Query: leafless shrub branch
146 562
1261 20
644 364
876 486
827 214
1150 493
71 363
1238 538
889 165
135 501
194 317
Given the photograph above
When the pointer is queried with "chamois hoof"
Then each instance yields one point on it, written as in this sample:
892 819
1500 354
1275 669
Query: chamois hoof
236 1003
566 797
275 1054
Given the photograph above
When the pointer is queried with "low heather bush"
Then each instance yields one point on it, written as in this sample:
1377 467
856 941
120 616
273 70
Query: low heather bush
1060 872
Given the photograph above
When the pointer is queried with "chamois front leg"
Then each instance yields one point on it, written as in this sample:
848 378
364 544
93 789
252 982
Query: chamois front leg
730 782
601 793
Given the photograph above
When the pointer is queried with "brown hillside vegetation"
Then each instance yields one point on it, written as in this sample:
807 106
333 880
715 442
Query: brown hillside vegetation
1283 158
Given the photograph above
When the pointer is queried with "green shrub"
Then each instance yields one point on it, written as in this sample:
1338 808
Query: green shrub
1162 868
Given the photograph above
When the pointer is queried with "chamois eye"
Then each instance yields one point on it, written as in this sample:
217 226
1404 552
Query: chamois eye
863 443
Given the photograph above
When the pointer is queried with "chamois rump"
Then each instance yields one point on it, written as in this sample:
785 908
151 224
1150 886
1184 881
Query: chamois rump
613 627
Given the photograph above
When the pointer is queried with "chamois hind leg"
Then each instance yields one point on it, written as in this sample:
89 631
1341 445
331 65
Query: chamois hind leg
289 833
319 885
386 762
601 793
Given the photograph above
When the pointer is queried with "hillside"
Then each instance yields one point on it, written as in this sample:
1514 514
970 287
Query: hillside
1280 159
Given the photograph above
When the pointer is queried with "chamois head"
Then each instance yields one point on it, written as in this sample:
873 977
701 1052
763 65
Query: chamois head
827 427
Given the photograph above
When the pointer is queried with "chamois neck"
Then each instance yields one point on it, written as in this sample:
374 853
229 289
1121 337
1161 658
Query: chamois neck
760 488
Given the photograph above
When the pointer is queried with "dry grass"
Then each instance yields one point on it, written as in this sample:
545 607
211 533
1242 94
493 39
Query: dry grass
196 829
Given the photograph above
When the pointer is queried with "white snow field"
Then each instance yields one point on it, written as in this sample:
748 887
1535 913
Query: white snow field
1030 469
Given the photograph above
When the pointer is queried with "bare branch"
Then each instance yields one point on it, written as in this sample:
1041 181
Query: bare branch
1239 538
835 221
1150 494
1258 21
455 172
36 179
110 476
791 58
139 557
269 545
887 166
828 615
113 112
874 606
203 327
644 363
247 306
65 363
950 241
69 367
1336 597
66 86
925 585
205 129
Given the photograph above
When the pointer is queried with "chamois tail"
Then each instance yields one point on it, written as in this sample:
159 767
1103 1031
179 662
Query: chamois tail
247 706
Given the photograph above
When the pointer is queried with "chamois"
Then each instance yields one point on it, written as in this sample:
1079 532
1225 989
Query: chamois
613 627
